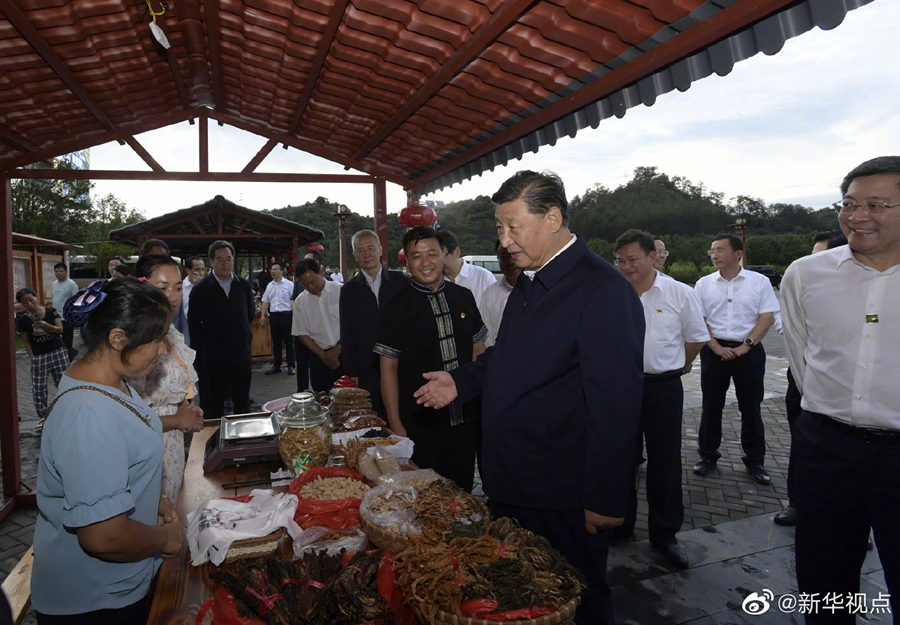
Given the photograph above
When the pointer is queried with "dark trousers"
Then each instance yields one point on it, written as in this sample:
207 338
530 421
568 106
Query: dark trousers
302 356
280 327
234 377
129 615
67 337
450 451
322 377
716 375
661 413
370 379
792 406
565 531
848 486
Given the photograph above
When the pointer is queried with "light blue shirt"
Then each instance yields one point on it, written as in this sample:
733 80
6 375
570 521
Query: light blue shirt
98 460
226 285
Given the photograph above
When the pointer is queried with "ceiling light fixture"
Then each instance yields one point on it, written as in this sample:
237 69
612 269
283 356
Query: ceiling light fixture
157 31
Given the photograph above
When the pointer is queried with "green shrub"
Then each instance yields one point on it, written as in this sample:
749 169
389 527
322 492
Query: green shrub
705 270
684 272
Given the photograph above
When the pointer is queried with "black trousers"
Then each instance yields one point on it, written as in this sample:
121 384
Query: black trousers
370 379
716 375
322 377
280 327
848 486
565 531
450 451
302 356
68 336
661 413
792 406
220 377
129 615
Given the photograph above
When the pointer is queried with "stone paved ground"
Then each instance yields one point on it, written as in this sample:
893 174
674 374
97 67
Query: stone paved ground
725 495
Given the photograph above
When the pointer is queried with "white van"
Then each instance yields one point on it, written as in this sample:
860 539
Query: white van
488 262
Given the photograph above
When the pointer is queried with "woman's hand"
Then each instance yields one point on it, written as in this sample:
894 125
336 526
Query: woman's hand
46 327
189 417
166 512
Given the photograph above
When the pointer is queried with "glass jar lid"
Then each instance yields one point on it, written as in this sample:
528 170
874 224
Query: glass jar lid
304 411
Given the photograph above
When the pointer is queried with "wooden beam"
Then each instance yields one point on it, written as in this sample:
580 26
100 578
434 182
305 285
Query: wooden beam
496 25
16 141
337 14
190 176
724 23
51 150
204 144
264 151
213 28
222 233
11 11
380 189
143 153
10 459
312 148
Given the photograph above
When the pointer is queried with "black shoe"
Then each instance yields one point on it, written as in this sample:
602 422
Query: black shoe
759 475
291 371
620 534
787 518
704 466
674 554
273 370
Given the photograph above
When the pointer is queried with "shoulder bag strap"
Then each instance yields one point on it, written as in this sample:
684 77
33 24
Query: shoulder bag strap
108 394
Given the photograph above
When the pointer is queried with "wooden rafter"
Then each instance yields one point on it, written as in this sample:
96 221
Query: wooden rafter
337 14
11 11
495 26
213 28
312 148
264 151
144 154
190 176
15 141
204 144
727 21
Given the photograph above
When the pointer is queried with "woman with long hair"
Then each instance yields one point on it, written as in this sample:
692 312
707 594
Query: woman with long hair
103 524
172 383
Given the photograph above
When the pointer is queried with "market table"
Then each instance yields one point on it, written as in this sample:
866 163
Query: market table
180 587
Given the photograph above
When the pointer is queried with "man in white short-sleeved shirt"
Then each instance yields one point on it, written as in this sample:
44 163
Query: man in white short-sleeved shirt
277 311
739 307
493 301
675 333
474 278
317 324
841 314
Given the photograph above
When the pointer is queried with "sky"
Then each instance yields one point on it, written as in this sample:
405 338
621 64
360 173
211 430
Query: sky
784 128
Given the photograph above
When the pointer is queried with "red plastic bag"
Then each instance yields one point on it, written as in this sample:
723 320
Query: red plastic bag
223 611
339 514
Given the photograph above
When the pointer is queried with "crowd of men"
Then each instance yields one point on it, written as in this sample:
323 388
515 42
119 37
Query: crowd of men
562 374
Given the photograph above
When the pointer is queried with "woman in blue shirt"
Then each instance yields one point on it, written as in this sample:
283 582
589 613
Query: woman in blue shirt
103 526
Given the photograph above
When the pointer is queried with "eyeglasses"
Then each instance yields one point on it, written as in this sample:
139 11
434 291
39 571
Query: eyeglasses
869 208
718 252
620 262
662 254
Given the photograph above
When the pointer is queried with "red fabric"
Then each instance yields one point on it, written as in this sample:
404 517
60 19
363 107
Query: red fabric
223 611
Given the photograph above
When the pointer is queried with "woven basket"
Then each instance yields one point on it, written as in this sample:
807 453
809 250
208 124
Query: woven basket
254 547
563 616
393 542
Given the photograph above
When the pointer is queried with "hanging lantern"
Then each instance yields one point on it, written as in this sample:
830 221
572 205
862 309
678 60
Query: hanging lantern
417 215
401 257
315 247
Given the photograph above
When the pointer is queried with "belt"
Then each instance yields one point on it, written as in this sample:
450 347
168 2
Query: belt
280 312
869 435
725 343
662 377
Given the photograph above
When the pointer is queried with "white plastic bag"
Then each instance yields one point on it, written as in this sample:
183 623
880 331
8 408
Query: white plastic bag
399 517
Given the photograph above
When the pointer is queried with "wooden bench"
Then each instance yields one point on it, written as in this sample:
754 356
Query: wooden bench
18 586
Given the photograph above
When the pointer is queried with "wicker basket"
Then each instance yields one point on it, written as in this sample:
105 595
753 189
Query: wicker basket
563 616
255 547
393 542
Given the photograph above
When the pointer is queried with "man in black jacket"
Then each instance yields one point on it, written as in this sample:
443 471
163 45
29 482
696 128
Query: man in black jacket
363 298
561 388
222 308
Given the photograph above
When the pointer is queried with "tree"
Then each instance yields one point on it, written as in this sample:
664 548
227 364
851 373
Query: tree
53 209
109 213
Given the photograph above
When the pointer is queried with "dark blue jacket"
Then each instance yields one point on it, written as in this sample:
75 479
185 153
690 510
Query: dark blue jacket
562 388
220 324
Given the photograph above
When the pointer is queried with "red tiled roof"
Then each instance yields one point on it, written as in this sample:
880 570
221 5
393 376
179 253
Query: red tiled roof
426 92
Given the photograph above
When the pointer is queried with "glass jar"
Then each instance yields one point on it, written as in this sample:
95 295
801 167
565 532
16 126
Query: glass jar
305 440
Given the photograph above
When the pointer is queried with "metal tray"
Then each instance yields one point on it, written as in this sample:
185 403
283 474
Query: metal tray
246 427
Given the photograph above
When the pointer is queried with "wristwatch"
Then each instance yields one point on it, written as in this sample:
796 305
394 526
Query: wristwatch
749 342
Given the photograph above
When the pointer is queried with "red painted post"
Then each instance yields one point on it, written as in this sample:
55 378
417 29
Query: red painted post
380 187
9 406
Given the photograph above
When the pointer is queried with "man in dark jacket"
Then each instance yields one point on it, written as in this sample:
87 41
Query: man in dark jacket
222 308
561 388
363 298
